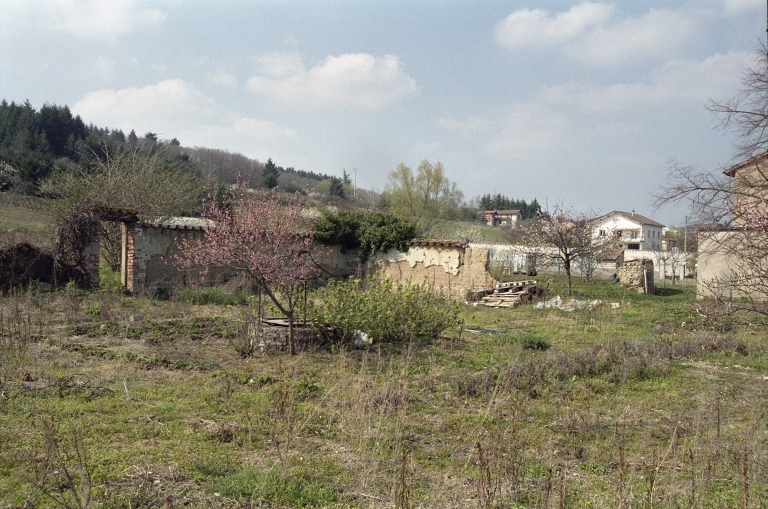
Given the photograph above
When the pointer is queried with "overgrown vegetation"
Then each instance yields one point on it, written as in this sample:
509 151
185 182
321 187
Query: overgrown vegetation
368 233
384 310
659 402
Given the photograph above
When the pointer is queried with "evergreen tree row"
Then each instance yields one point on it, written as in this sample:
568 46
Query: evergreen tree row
501 202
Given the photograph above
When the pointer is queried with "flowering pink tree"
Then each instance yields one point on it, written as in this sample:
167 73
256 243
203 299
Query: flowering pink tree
258 235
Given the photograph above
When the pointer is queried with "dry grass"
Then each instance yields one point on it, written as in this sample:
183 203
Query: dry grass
617 412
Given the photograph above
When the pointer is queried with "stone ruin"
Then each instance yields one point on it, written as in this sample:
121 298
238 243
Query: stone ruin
636 274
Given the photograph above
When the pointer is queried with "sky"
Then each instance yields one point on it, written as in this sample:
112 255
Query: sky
585 104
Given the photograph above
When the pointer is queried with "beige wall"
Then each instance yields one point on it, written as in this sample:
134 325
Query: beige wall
724 272
750 190
454 270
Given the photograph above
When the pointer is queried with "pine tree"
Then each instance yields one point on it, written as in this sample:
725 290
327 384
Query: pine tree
270 174
337 187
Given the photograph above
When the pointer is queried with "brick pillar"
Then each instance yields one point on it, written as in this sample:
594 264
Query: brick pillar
135 264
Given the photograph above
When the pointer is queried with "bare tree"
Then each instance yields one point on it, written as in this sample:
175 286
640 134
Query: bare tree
733 199
134 178
567 236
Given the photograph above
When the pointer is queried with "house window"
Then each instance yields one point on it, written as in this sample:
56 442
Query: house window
633 246
602 233
634 235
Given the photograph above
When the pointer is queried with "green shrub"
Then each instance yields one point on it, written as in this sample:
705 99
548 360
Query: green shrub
367 233
386 311
533 342
109 279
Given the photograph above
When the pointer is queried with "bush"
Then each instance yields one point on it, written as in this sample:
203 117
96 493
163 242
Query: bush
367 233
386 311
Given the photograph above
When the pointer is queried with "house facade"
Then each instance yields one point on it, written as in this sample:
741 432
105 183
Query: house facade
632 231
733 263
750 190
502 217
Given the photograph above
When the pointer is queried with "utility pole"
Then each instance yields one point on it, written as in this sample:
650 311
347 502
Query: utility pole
685 244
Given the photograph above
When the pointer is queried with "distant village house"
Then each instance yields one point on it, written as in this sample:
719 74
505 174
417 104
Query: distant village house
502 217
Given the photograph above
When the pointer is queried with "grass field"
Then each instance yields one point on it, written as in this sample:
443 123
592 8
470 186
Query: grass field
25 219
659 403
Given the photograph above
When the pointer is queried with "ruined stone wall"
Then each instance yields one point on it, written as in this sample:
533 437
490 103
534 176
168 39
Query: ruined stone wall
637 274
150 251
451 269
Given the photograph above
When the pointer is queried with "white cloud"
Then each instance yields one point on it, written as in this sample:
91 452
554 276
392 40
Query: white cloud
280 65
158 107
592 34
658 32
528 128
100 18
105 68
740 6
525 28
677 82
359 79
562 117
176 109
261 129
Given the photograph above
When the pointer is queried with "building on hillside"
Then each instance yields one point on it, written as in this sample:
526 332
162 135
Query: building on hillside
502 217
632 231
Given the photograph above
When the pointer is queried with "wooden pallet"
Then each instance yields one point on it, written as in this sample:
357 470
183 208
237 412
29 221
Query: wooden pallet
506 295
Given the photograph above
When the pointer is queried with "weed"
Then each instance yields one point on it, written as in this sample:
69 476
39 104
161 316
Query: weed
272 486
64 475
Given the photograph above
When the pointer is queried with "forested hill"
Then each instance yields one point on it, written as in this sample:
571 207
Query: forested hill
35 143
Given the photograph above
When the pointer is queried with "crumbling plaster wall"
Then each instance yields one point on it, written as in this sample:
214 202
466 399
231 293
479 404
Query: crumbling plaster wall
451 269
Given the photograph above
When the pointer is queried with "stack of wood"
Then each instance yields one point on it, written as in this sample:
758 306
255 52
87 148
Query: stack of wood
509 295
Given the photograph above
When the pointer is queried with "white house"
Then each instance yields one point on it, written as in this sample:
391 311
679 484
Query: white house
633 231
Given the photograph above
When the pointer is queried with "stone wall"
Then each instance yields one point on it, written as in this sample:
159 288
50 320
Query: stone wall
637 274
270 339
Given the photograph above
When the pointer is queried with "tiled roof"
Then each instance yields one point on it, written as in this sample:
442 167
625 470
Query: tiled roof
438 243
612 254
733 169
512 211
633 217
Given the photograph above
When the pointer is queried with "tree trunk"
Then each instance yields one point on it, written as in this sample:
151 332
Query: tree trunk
291 343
